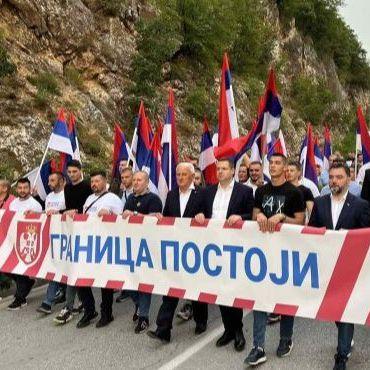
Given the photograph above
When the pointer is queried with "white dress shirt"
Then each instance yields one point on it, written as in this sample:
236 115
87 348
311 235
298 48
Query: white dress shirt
252 185
336 208
221 201
125 194
184 198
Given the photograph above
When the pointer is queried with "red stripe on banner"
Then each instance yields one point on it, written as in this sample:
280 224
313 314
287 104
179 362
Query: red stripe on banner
45 243
32 216
345 274
166 221
285 309
314 230
278 227
145 288
238 225
109 218
80 217
114 284
368 320
4 225
64 217
50 276
178 293
243 303
136 219
10 262
194 223
84 282
64 279
207 298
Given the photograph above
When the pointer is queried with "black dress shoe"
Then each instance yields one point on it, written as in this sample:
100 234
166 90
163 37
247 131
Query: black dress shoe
163 337
239 342
225 339
104 321
86 319
200 328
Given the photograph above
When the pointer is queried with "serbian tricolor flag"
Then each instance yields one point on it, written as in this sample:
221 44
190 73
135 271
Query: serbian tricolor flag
227 121
120 150
363 132
277 146
319 158
169 145
269 117
59 138
141 140
207 160
327 147
309 164
72 132
41 181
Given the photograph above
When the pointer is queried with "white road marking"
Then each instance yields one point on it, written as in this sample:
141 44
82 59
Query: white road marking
180 359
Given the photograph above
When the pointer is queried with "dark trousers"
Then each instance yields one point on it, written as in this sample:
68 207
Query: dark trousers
87 299
167 310
106 302
24 285
232 318
345 336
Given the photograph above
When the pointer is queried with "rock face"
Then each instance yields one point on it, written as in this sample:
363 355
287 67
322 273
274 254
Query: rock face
88 54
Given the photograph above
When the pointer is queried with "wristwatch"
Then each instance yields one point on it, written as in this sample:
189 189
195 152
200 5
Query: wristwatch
284 217
136 213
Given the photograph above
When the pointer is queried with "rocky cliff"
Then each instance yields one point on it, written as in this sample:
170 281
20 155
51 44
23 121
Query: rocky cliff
78 55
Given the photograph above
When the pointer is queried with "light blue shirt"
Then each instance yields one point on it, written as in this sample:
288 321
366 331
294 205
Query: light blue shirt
354 189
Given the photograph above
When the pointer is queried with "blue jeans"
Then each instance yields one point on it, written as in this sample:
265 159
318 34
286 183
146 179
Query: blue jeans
70 296
142 300
259 328
345 336
51 292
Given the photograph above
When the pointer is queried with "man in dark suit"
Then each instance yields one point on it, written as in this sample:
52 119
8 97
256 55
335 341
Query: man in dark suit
184 201
335 211
231 201
365 192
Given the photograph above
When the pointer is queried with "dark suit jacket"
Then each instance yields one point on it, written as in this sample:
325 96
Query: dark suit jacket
241 201
172 205
355 213
365 192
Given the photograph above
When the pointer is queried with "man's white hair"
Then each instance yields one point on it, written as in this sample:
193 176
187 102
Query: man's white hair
188 165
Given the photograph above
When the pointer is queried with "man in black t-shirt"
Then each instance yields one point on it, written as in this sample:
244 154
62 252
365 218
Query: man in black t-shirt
293 175
276 202
75 194
141 202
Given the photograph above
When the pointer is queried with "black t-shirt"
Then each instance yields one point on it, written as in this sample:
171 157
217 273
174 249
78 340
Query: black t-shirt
144 204
285 198
76 195
306 192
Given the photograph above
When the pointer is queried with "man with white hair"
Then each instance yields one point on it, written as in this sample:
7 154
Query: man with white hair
184 201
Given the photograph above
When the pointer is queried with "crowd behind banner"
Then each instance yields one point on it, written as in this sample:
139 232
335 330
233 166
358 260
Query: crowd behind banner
280 198
239 178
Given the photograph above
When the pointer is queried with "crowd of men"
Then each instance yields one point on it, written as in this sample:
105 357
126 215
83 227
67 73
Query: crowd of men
282 199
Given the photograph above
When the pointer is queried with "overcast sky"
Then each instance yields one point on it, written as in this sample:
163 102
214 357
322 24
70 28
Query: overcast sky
356 13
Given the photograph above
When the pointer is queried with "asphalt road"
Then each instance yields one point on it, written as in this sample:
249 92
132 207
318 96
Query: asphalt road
29 340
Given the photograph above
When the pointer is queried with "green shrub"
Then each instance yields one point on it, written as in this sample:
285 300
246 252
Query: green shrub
73 77
45 83
311 99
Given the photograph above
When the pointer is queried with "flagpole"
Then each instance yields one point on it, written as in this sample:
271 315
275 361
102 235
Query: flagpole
170 161
42 162
356 155
130 158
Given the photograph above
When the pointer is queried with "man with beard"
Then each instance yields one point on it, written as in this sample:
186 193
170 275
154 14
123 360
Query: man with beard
255 176
24 203
340 210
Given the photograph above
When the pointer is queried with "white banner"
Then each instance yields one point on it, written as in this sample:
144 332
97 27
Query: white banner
296 270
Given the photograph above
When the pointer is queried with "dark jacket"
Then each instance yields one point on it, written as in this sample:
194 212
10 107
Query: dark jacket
172 205
355 213
365 192
241 201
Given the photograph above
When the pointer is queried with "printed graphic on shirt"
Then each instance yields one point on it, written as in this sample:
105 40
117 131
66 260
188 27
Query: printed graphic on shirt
273 204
